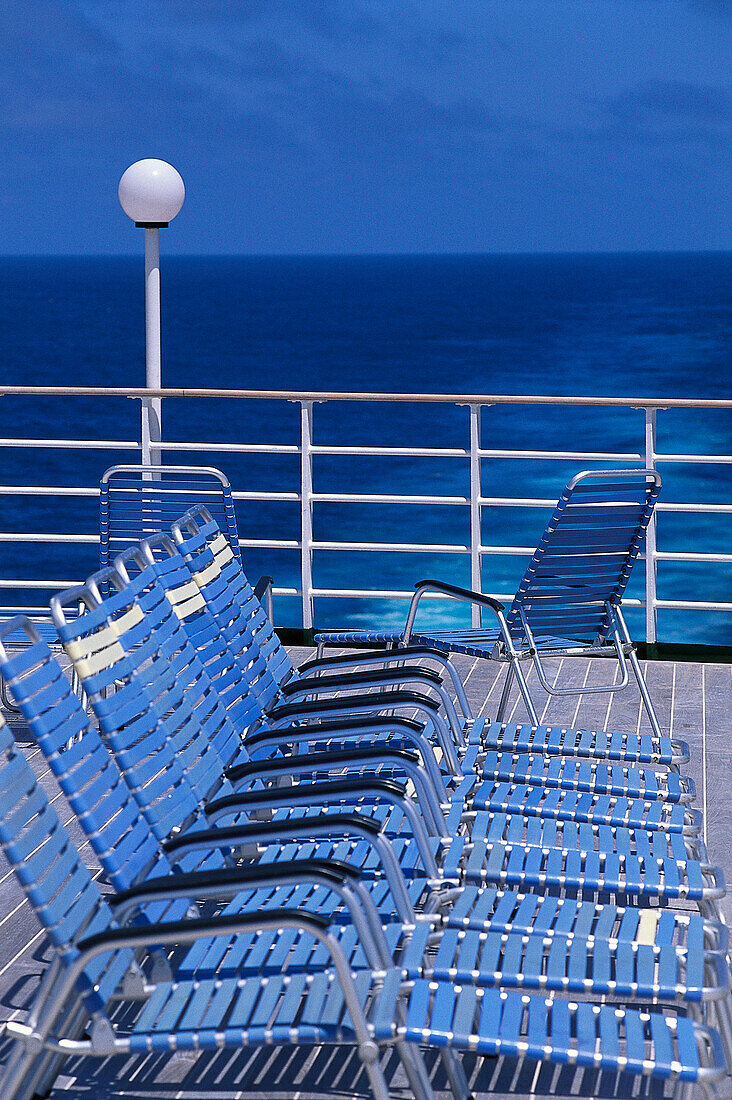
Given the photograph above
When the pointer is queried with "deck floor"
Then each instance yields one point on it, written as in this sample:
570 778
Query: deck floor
694 702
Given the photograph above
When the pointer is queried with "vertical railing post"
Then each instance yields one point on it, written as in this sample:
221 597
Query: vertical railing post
306 513
475 495
650 552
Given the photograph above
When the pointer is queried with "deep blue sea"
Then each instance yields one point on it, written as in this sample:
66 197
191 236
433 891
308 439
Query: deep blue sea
619 325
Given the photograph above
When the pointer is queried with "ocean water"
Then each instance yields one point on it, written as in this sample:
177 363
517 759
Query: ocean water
654 325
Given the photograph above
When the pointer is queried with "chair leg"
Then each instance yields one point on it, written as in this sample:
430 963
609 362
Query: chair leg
645 695
455 1075
505 693
523 685
416 1071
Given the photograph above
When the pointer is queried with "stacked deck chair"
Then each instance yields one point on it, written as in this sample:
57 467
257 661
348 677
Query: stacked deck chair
123 835
102 957
568 602
590 792
163 738
137 626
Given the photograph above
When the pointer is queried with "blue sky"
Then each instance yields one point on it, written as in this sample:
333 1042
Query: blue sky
323 126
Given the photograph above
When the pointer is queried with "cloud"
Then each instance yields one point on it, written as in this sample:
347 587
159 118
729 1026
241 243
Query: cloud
672 98
722 9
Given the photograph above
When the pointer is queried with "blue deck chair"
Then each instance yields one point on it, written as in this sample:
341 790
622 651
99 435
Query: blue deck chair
129 853
568 602
84 933
233 602
136 633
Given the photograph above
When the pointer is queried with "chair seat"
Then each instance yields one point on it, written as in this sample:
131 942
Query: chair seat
489 907
601 809
563 963
534 867
311 1009
491 1021
474 643
588 776
592 744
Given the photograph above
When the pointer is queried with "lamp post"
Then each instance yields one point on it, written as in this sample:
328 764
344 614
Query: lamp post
151 193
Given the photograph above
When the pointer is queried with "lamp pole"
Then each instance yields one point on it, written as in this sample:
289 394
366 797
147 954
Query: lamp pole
151 193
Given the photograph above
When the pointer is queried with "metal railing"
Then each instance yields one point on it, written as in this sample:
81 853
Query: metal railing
474 453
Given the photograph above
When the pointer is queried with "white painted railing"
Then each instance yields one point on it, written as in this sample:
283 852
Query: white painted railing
307 497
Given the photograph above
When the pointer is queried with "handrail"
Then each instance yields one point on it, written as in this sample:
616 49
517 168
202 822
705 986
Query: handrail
343 395
309 499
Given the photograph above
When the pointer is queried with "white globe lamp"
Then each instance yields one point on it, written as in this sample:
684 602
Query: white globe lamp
151 193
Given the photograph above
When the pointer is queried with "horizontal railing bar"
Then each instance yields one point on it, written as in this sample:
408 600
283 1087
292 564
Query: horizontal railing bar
255 495
48 490
139 392
379 452
270 544
365 498
368 593
378 593
33 536
73 444
692 605
234 448
385 498
410 452
588 456
382 547
678 555
395 547
715 459
703 508
52 586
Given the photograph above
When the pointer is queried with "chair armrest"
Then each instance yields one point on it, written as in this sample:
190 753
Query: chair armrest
449 590
306 795
461 594
354 704
263 592
364 726
307 827
368 757
317 761
318 793
344 680
185 931
227 882
336 736
369 657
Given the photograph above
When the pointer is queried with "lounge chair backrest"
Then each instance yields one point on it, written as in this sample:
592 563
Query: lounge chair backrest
136 501
66 900
230 670
87 773
231 598
586 554
164 719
